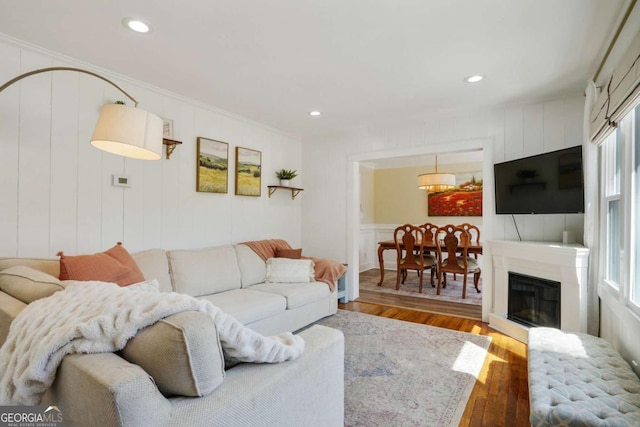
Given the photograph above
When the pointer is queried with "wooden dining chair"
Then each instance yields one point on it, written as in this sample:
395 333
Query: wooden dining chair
409 241
429 237
453 257
429 231
474 235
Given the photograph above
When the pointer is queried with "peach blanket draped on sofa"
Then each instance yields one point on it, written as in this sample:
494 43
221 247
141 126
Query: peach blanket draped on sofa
326 270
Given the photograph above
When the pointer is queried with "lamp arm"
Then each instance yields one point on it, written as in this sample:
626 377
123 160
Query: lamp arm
44 70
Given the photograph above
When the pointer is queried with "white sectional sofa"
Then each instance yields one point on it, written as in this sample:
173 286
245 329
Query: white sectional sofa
125 389
231 277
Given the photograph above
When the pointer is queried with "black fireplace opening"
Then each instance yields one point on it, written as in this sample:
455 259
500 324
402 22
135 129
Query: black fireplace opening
534 301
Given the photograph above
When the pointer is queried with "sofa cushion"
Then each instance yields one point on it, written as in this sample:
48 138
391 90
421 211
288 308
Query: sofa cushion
289 253
204 271
49 266
181 352
10 308
27 284
252 268
154 265
286 270
297 294
248 306
113 265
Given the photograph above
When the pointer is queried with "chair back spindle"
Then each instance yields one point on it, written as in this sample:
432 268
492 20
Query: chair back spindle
474 234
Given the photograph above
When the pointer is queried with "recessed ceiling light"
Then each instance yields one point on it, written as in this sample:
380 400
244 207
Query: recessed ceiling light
136 25
314 113
474 79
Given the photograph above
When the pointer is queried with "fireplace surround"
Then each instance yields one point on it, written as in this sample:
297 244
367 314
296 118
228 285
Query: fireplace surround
558 262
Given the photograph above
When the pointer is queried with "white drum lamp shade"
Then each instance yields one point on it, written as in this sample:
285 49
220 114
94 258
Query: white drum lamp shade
128 132
436 181
433 182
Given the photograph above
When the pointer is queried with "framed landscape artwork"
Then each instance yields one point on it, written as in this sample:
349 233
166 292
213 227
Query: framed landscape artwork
465 199
213 166
248 172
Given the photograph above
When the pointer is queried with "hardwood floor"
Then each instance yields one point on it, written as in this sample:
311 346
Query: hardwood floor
501 395
369 278
421 304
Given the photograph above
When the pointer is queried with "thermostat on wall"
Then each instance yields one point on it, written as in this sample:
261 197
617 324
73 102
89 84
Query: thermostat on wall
120 181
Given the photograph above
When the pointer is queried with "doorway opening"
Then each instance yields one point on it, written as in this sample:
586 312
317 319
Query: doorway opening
365 231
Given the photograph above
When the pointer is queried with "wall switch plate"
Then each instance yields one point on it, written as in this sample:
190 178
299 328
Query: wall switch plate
120 181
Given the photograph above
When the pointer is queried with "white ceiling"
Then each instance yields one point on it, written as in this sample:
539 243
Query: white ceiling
358 61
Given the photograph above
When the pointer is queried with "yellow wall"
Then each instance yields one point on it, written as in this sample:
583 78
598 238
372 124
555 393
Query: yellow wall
397 199
366 195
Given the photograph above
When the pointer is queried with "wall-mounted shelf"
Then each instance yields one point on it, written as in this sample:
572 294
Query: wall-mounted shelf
170 145
294 191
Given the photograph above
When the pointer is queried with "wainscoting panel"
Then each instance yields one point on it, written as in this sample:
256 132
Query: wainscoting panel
9 147
65 103
89 197
368 249
33 158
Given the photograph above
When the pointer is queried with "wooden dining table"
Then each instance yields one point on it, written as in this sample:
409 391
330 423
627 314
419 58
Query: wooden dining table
473 248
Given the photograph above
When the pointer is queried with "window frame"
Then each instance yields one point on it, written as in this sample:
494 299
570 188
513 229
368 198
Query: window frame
633 290
628 196
609 194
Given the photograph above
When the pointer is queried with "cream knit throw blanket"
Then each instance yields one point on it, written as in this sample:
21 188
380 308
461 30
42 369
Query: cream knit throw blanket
97 317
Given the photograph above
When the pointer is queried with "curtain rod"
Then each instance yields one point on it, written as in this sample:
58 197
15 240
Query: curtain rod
615 39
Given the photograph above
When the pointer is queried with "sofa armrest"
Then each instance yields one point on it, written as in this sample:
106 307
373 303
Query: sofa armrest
9 309
104 389
308 391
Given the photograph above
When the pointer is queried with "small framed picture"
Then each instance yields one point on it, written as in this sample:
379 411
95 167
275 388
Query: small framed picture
212 168
167 128
248 172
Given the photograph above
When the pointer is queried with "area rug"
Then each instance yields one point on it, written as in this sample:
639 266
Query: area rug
453 292
400 373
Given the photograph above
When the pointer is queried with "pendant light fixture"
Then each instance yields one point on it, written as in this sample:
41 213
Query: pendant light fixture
433 182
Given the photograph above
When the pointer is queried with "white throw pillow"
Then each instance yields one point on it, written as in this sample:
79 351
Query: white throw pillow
147 286
286 270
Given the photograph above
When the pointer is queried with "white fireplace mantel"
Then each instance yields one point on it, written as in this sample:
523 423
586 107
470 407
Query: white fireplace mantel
564 263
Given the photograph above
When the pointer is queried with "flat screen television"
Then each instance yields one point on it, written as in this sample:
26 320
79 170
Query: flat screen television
549 183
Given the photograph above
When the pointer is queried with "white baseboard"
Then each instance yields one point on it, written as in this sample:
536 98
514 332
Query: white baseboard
366 267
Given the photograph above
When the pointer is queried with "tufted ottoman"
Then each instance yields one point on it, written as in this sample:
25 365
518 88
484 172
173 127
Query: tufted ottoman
579 380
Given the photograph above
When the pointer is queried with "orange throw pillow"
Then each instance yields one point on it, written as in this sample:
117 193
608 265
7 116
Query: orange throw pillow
114 265
289 253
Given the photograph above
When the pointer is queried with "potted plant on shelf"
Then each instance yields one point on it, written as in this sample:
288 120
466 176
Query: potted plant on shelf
285 176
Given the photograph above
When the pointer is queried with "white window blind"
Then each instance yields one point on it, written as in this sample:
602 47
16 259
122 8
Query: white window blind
619 95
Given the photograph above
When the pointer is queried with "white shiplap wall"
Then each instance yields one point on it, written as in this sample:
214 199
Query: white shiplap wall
515 132
55 188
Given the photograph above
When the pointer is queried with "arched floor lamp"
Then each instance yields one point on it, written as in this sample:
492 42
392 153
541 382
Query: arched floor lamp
122 130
